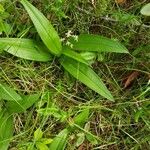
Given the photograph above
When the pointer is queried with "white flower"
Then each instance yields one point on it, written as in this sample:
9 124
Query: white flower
68 34
69 44
75 37
62 39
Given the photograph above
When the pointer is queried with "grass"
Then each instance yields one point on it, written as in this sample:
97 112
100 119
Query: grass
123 124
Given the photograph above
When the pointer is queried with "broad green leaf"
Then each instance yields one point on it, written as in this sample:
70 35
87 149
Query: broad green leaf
25 48
38 134
6 129
89 56
91 139
46 141
74 55
80 139
44 28
89 42
21 106
60 141
146 10
87 76
41 146
7 93
1 8
82 117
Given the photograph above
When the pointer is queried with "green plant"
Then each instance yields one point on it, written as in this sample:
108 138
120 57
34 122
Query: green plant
72 55
4 26
11 102
39 142
73 124
69 56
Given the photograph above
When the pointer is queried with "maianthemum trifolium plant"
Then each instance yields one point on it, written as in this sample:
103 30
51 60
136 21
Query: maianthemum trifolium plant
73 59
69 56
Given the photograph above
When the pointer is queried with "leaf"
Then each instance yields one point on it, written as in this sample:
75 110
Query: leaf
54 111
87 76
25 48
38 134
26 102
30 146
91 139
60 141
131 78
80 139
46 141
44 28
6 129
89 56
74 55
82 117
2 10
146 10
41 146
89 42
5 27
8 93
138 115
50 111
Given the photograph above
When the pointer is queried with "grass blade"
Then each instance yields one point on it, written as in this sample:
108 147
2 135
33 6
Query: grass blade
25 48
88 42
44 28
87 76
